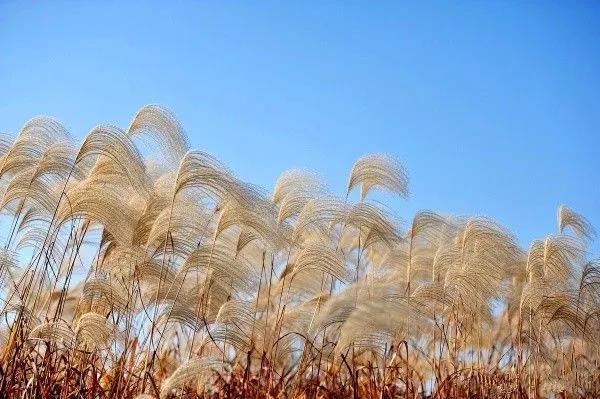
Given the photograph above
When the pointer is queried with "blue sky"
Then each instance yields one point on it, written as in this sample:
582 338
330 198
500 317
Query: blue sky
494 107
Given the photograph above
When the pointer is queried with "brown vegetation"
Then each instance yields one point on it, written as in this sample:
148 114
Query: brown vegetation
134 267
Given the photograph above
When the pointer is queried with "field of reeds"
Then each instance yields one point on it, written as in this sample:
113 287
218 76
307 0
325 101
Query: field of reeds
135 267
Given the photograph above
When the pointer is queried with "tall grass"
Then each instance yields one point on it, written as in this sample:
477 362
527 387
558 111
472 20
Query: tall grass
134 267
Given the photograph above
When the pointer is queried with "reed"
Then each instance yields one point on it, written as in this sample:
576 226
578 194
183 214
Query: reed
135 267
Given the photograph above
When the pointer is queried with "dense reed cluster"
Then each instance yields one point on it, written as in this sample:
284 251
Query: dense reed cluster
134 267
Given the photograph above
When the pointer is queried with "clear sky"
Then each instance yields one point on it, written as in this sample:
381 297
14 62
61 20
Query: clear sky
494 107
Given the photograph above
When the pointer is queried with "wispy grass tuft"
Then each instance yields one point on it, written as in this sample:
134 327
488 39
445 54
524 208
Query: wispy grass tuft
135 267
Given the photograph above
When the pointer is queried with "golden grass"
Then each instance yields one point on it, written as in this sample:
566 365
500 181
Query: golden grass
134 267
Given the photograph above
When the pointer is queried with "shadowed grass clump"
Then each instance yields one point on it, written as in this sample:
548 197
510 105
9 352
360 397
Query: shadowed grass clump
135 267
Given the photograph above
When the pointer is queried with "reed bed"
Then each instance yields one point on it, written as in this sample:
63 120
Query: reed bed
135 267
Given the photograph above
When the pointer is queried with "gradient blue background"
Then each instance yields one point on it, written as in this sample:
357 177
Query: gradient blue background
494 107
